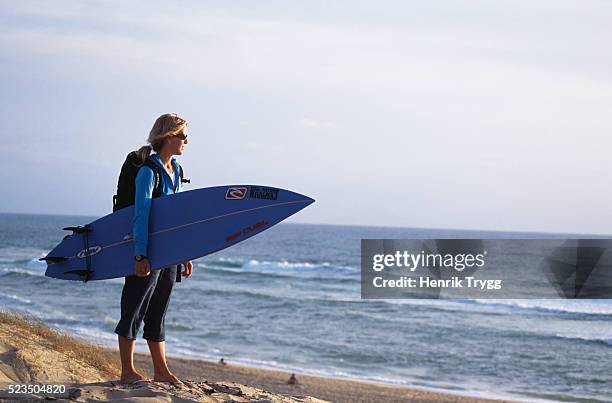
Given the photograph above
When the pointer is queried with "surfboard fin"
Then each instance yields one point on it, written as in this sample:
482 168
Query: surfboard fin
84 231
53 259
83 273
78 230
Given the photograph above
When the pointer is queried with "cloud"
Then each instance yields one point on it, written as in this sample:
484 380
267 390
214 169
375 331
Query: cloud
274 54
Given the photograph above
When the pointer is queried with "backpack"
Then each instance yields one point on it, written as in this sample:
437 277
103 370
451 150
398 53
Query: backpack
126 186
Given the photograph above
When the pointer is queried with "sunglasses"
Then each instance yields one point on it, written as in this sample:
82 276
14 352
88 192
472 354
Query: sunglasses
181 136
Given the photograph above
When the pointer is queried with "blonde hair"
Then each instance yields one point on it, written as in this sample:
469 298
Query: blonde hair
168 124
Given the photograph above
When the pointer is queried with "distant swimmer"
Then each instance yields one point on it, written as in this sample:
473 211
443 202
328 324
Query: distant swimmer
222 361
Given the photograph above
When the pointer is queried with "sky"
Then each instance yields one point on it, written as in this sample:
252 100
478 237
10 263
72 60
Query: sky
450 114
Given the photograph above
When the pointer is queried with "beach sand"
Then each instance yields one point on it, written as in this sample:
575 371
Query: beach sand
32 353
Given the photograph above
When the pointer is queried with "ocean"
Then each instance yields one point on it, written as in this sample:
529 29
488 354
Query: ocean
289 299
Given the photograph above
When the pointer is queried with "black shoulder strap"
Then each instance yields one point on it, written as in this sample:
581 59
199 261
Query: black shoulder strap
155 169
182 174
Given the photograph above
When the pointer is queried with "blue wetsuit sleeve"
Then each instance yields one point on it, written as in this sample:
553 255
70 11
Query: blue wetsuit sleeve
145 181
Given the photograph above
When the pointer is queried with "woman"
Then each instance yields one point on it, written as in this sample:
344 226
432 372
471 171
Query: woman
146 295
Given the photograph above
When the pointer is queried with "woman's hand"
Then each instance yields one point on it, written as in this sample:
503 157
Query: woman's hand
142 268
188 269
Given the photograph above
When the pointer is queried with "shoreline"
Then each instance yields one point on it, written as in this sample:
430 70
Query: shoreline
141 358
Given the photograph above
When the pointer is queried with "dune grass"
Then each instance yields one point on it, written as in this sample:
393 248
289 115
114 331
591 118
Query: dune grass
96 356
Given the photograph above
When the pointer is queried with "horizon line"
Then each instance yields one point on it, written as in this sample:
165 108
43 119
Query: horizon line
532 232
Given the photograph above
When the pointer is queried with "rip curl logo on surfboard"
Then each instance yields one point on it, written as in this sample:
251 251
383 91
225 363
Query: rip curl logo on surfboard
237 193
94 250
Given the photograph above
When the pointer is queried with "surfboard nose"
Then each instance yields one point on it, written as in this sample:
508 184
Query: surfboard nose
303 197
307 201
294 196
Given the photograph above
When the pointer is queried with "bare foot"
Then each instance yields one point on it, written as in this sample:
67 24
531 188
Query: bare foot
167 377
131 377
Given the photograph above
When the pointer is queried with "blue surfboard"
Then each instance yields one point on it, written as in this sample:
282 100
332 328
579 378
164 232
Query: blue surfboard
182 226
